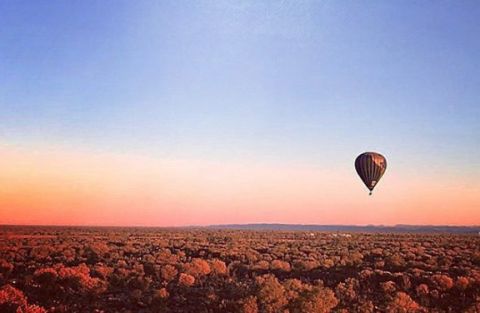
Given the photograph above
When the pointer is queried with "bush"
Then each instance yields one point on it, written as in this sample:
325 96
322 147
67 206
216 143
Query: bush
186 280
319 300
13 300
402 303
271 294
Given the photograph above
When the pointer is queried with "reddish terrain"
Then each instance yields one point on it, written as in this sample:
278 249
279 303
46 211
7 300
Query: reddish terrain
53 269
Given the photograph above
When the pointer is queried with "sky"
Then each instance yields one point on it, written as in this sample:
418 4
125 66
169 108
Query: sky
171 113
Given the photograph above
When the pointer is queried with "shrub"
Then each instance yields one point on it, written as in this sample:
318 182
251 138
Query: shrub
5 268
462 283
218 267
443 282
388 287
249 305
319 300
168 272
197 268
13 300
280 265
402 303
186 280
271 294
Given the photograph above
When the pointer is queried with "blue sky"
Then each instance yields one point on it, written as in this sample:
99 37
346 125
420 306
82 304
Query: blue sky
312 82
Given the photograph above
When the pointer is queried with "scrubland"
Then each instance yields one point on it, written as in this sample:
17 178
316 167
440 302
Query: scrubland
53 269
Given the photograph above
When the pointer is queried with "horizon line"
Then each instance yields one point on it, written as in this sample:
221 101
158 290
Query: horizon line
241 224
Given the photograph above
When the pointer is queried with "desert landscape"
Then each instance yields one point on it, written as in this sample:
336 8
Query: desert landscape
81 269
239 156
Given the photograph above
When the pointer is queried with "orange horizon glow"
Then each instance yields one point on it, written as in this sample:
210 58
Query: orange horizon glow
60 186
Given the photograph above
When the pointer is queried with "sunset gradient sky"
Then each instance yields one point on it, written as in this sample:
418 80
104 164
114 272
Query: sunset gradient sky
177 113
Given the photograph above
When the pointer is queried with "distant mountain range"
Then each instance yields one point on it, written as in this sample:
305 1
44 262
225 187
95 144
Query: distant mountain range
353 228
282 227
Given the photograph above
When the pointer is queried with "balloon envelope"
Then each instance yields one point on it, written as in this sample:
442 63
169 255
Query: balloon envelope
370 167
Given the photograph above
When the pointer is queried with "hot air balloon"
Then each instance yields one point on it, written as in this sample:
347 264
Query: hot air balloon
370 167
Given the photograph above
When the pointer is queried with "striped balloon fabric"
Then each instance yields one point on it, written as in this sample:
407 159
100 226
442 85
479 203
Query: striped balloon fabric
370 167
